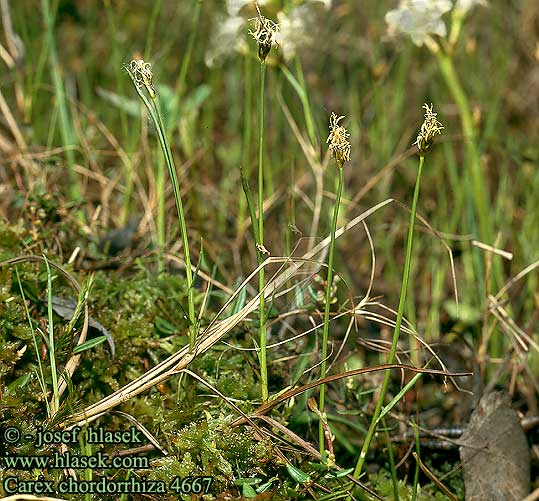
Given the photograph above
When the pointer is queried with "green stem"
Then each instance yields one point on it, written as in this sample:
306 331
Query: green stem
398 322
478 194
160 219
392 467
155 115
151 28
183 227
261 280
325 333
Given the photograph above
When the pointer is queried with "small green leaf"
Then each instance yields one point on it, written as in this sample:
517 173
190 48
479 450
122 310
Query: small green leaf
248 491
19 382
239 301
89 344
266 486
298 475
250 481
342 473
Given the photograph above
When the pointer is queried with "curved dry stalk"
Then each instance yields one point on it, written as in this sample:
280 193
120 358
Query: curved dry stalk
367 294
516 278
216 329
283 397
143 430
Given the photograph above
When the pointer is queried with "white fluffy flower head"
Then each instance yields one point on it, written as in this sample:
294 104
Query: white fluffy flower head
419 18
465 5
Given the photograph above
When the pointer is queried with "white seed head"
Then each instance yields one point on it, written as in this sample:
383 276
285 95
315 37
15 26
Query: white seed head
418 18
465 5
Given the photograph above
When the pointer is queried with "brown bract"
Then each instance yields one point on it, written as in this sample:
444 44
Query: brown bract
430 127
338 140
264 34
142 74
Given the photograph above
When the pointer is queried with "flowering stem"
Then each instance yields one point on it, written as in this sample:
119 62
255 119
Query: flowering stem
183 227
325 332
398 322
261 281
155 114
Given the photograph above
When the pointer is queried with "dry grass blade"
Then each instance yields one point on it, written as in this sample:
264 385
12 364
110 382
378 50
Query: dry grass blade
341 375
307 447
216 329
143 430
431 475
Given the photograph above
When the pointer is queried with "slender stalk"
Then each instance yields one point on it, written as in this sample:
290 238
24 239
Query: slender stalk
476 193
325 332
40 374
304 96
51 345
473 162
418 450
151 28
160 218
392 467
128 165
141 77
398 322
261 279
183 227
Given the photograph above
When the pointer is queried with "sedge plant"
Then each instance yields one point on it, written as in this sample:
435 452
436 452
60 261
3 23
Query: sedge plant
264 35
340 150
142 78
429 129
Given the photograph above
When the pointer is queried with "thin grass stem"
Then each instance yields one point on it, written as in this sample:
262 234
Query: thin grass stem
50 342
155 114
325 332
186 60
261 279
41 374
398 322
392 468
